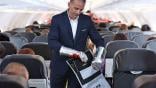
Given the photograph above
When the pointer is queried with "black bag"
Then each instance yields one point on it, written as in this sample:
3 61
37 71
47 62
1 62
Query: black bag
86 75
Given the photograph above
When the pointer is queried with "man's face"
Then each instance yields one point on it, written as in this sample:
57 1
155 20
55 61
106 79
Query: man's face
75 8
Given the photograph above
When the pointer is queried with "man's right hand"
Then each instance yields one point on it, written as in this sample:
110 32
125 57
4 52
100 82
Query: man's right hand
73 54
83 57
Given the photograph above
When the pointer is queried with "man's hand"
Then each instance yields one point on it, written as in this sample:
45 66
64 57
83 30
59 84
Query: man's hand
98 61
73 54
97 64
83 57
80 55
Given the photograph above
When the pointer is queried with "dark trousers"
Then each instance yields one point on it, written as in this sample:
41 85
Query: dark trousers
59 79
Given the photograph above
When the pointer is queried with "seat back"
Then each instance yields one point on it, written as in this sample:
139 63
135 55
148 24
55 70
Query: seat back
12 81
139 39
113 46
40 39
18 41
151 45
107 38
40 48
34 63
131 63
28 35
130 35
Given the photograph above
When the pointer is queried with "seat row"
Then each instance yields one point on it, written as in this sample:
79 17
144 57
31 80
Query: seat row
36 66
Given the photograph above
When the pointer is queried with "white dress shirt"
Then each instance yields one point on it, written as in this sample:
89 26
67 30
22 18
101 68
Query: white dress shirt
73 23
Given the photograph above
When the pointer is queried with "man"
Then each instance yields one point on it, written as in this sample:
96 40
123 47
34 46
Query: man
67 38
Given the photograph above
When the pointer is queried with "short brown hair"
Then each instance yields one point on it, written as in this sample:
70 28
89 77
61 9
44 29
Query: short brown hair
15 68
151 38
26 51
120 36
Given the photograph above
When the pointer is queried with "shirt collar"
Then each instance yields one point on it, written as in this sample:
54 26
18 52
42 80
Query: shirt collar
72 19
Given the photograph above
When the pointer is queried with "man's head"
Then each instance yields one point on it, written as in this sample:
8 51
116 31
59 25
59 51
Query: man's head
26 51
120 36
15 68
75 8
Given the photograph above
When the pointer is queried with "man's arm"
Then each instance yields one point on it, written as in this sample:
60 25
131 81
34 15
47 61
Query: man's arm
98 59
53 35
94 35
99 42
